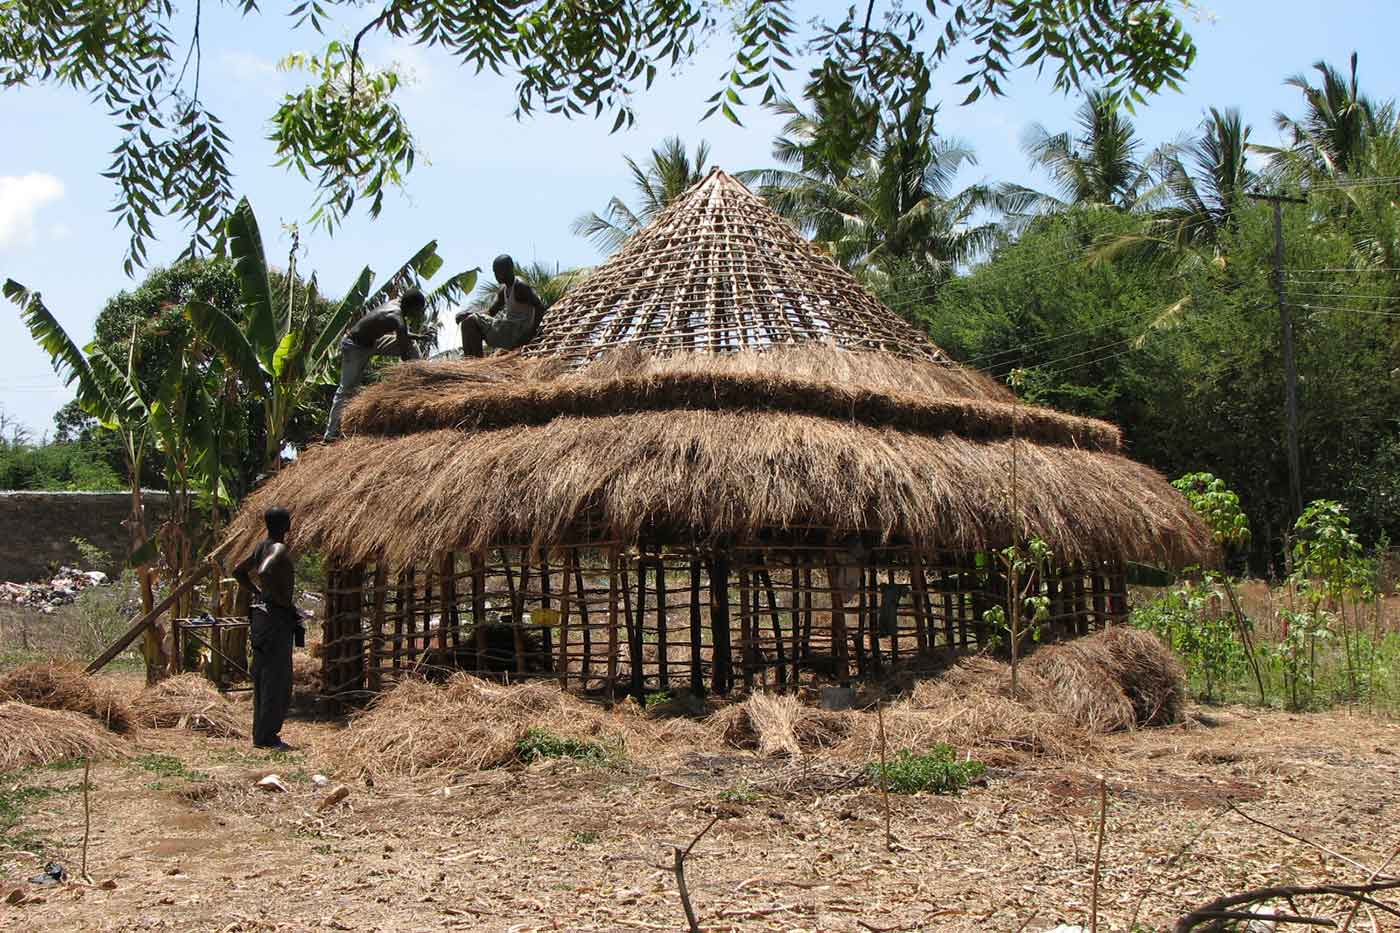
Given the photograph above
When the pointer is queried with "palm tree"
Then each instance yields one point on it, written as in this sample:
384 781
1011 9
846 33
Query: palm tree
885 194
668 173
1097 166
1332 136
1205 180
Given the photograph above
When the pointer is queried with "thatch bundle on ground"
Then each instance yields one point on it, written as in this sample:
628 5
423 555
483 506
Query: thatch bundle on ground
188 701
32 735
723 424
54 685
1119 679
469 724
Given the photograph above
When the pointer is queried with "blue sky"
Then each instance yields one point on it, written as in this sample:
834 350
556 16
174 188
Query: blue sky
496 185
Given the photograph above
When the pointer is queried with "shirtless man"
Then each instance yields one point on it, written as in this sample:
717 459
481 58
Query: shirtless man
274 623
510 320
362 341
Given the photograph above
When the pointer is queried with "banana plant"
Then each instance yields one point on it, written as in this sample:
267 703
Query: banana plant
108 393
275 349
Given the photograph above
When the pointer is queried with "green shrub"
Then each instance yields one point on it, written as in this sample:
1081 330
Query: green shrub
539 743
938 771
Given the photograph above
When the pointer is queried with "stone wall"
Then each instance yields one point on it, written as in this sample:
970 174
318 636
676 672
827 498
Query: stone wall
37 528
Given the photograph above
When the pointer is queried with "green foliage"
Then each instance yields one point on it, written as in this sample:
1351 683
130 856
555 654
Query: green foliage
1193 622
348 113
346 132
1218 506
538 743
939 771
17 796
56 468
167 766
91 556
739 793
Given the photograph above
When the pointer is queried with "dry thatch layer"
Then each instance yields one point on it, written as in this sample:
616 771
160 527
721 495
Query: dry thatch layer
468 724
54 685
188 701
702 474
1118 679
37 736
426 396
719 270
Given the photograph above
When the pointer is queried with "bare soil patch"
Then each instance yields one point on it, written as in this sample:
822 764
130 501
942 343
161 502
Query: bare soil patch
188 842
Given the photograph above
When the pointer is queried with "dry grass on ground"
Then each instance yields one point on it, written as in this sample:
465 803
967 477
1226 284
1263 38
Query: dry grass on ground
32 735
53 685
564 845
188 701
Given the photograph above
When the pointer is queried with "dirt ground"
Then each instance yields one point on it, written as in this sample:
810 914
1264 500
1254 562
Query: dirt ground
181 839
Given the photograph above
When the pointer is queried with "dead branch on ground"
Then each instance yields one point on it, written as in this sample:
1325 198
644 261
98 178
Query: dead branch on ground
1213 916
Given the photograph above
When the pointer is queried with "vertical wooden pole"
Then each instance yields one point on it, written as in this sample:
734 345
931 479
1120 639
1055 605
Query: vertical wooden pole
894 633
478 565
376 631
663 673
722 665
697 669
517 607
1081 611
564 608
613 570
766 579
425 640
328 625
746 645
839 643
861 590
795 620
1100 597
635 649
546 631
354 629
923 614
807 614
872 618
450 620
586 668
945 583
1118 594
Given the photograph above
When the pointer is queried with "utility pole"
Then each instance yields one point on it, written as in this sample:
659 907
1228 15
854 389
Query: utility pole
1290 368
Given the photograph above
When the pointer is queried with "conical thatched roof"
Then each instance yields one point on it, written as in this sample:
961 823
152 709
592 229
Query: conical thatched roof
719 271
718 380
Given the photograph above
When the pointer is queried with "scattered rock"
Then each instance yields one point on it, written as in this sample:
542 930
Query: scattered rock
273 782
320 780
333 798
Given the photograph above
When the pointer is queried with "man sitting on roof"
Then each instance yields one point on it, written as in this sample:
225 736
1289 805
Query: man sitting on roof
512 318
362 342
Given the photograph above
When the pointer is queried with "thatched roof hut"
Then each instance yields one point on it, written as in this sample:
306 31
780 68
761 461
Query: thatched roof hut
717 392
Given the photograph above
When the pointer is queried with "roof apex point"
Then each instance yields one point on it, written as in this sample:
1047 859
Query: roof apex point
719 270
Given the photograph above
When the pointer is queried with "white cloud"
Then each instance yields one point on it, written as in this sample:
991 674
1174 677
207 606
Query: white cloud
21 197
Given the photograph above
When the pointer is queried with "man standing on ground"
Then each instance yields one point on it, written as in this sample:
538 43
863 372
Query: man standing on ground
510 321
274 623
361 343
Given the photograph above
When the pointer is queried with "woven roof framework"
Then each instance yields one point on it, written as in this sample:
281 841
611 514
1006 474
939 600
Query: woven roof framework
719 271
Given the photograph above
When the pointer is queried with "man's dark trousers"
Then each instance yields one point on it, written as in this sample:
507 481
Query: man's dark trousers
272 632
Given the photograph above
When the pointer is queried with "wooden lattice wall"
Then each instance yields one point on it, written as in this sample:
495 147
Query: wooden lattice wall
616 620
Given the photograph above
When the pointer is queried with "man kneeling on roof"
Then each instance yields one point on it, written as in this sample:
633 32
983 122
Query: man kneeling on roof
512 318
362 342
